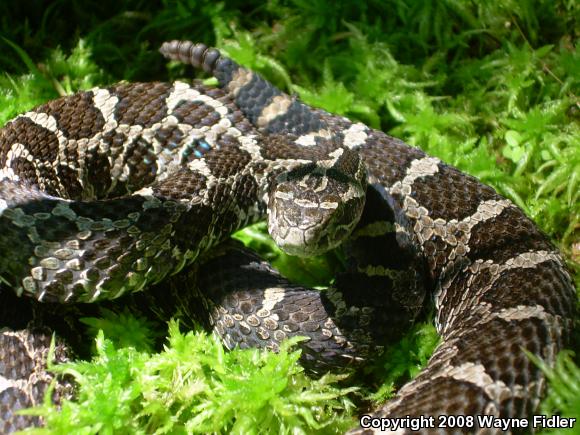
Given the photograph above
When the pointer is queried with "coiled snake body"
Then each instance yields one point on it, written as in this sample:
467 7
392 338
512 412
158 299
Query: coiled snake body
185 165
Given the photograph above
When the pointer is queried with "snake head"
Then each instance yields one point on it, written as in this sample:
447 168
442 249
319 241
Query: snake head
315 206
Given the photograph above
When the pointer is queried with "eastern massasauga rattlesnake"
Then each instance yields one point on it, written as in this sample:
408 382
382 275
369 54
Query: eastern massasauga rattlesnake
107 191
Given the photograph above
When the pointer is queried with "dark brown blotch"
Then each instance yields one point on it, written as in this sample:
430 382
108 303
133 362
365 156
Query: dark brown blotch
76 116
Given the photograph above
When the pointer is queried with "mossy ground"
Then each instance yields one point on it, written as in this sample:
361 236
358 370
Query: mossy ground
490 87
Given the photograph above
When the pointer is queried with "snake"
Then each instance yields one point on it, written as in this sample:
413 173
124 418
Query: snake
110 191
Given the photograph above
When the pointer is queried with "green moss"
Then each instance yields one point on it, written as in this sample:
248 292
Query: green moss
491 87
194 386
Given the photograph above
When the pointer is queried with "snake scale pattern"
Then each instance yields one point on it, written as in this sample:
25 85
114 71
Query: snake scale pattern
108 191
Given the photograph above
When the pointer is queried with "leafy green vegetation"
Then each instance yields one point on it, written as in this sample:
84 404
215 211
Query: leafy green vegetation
564 394
490 87
132 391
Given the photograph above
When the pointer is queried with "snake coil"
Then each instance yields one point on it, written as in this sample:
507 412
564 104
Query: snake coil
108 191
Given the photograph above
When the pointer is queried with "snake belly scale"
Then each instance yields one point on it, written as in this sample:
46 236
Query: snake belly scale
107 191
